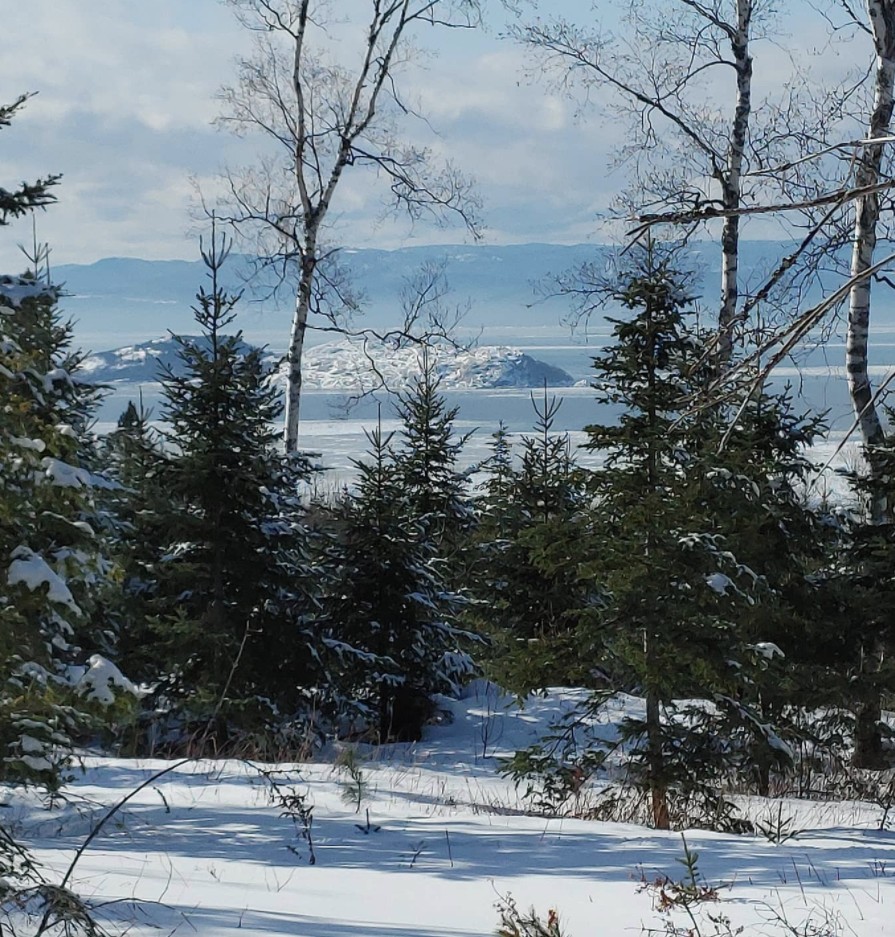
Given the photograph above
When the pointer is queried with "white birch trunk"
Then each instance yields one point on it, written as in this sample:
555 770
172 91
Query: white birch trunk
882 21
732 183
881 13
296 350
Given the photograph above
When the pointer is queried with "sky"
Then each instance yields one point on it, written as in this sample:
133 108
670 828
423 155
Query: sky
126 95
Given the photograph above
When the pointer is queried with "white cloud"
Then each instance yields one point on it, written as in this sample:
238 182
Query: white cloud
127 93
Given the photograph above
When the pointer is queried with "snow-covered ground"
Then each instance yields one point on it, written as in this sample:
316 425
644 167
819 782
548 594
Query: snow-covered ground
203 850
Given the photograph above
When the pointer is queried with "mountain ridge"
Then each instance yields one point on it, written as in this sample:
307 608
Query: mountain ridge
115 301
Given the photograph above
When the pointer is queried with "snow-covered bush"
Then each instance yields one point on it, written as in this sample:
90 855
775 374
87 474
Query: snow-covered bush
53 568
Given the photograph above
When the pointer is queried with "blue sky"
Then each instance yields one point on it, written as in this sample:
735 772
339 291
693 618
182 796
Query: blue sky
127 95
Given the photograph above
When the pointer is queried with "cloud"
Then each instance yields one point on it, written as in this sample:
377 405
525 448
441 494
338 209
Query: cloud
127 92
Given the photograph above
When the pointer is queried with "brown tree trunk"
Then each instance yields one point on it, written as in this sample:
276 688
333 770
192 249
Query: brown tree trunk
868 751
658 789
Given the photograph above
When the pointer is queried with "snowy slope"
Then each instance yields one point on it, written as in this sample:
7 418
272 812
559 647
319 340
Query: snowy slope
202 849
349 366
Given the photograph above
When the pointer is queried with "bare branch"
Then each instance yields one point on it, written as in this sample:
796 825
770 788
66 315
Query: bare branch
709 212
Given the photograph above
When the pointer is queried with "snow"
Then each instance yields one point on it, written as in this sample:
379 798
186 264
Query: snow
32 571
719 583
99 680
767 649
204 849
17 289
348 365
352 366
55 376
63 475
22 442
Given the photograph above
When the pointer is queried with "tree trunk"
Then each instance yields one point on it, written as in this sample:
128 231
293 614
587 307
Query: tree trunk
658 789
296 349
868 741
868 751
882 22
732 182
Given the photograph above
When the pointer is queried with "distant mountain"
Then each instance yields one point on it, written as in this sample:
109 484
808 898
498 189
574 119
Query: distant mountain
120 301
349 366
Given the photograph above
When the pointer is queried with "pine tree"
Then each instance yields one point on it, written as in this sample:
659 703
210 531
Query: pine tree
230 598
434 488
668 624
530 612
51 606
757 472
865 577
391 614
134 455
29 195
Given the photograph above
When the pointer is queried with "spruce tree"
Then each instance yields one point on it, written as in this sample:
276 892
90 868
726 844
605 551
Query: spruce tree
134 455
662 585
755 482
434 488
865 578
230 601
55 570
530 611
29 195
391 614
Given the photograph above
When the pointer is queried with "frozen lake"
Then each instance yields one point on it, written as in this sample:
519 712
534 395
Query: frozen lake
333 425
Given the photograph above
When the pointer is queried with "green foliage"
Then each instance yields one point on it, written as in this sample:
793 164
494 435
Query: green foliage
391 612
56 574
29 195
552 775
391 617
693 554
428 468
354 786
864 574
528 516
669 627
516 923
225 581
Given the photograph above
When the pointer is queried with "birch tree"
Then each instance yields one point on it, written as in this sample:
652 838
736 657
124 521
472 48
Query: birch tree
700 150
869 173
325 115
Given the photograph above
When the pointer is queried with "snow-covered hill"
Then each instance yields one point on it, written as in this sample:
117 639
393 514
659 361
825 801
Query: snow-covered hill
350 366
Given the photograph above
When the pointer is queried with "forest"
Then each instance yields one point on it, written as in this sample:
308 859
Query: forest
183 589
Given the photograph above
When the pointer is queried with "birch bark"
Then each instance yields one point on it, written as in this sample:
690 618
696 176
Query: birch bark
731 183
323 118
881 15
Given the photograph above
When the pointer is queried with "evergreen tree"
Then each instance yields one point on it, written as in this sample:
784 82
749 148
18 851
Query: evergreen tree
865 578
663 585
134 456
757 473
51 604
530 612
435 490
669 626
548 483
230 600
29 195
391 615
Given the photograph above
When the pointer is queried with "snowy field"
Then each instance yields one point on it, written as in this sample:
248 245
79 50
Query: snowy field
427 847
